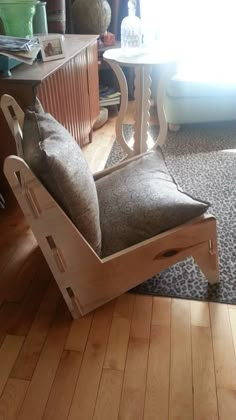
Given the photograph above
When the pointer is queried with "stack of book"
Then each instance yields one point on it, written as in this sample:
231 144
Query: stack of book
22 49
108 96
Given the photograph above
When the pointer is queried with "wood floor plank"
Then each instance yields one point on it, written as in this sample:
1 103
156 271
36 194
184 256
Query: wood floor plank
61 394
200 315
124 305
8 353
232 316
161 312
227 404
141 319
33 297
181 398
205 401
158 377
85 395
2 337
117 344
225 361
31 349
107 405
17 260
8 313
45 371
78 334
133 393
12 398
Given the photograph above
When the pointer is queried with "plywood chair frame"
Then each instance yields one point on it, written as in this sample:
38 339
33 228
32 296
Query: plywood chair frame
87 281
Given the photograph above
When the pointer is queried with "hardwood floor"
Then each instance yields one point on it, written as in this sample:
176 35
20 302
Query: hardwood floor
138 357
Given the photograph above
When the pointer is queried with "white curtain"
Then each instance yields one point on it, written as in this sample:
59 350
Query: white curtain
203 31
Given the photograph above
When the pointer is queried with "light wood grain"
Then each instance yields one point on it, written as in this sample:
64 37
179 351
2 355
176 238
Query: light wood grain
12 398
205 402
158 377
161 311
225 362
45 371
232 316
31 349
132 401
84 398
61 394
8 353
133 393
227 404
78 334
107 405
200 316
22 322
117 344
141 320
181 398
124 306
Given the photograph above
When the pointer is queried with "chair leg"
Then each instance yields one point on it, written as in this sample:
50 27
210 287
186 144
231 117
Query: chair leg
207 259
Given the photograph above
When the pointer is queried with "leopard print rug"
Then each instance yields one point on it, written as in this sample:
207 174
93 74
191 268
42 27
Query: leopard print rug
202 159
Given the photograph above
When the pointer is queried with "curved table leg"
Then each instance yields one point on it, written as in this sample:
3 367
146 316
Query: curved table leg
166 73
142 94
123 107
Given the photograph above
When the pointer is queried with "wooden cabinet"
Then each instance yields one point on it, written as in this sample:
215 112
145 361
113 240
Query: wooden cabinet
68 89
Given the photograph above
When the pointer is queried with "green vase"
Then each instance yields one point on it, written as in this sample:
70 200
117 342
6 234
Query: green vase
17 17
91 16
40 25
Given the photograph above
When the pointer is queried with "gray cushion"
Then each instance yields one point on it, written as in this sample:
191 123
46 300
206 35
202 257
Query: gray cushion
57 160
141 200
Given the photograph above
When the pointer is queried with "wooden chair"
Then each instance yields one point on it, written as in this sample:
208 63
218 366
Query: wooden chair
85 280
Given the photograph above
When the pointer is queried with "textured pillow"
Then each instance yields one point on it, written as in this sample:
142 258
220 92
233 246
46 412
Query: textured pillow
141 200
57 160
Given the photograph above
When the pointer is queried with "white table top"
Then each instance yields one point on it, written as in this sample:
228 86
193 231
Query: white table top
139 56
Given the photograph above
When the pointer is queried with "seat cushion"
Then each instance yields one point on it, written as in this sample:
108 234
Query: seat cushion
56 159
141 200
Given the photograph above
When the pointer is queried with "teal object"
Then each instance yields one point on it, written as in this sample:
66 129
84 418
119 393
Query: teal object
6 64
40 24
196 102
17 17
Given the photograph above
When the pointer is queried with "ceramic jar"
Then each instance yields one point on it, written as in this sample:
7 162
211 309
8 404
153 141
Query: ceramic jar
91 16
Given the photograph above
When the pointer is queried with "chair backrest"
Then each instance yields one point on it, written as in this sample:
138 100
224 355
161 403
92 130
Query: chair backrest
61 243
15 118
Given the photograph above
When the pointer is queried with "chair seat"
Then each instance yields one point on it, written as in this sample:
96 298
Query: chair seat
141 200
85 280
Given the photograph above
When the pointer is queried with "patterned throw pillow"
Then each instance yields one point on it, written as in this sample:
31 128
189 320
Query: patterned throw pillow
141 200
56 159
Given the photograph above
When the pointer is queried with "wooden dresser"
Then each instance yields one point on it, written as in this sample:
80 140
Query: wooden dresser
68 89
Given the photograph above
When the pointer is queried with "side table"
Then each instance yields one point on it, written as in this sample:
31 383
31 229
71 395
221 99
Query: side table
142 63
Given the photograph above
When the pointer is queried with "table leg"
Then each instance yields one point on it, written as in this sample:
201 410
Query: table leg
123 107
166 72
142 94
